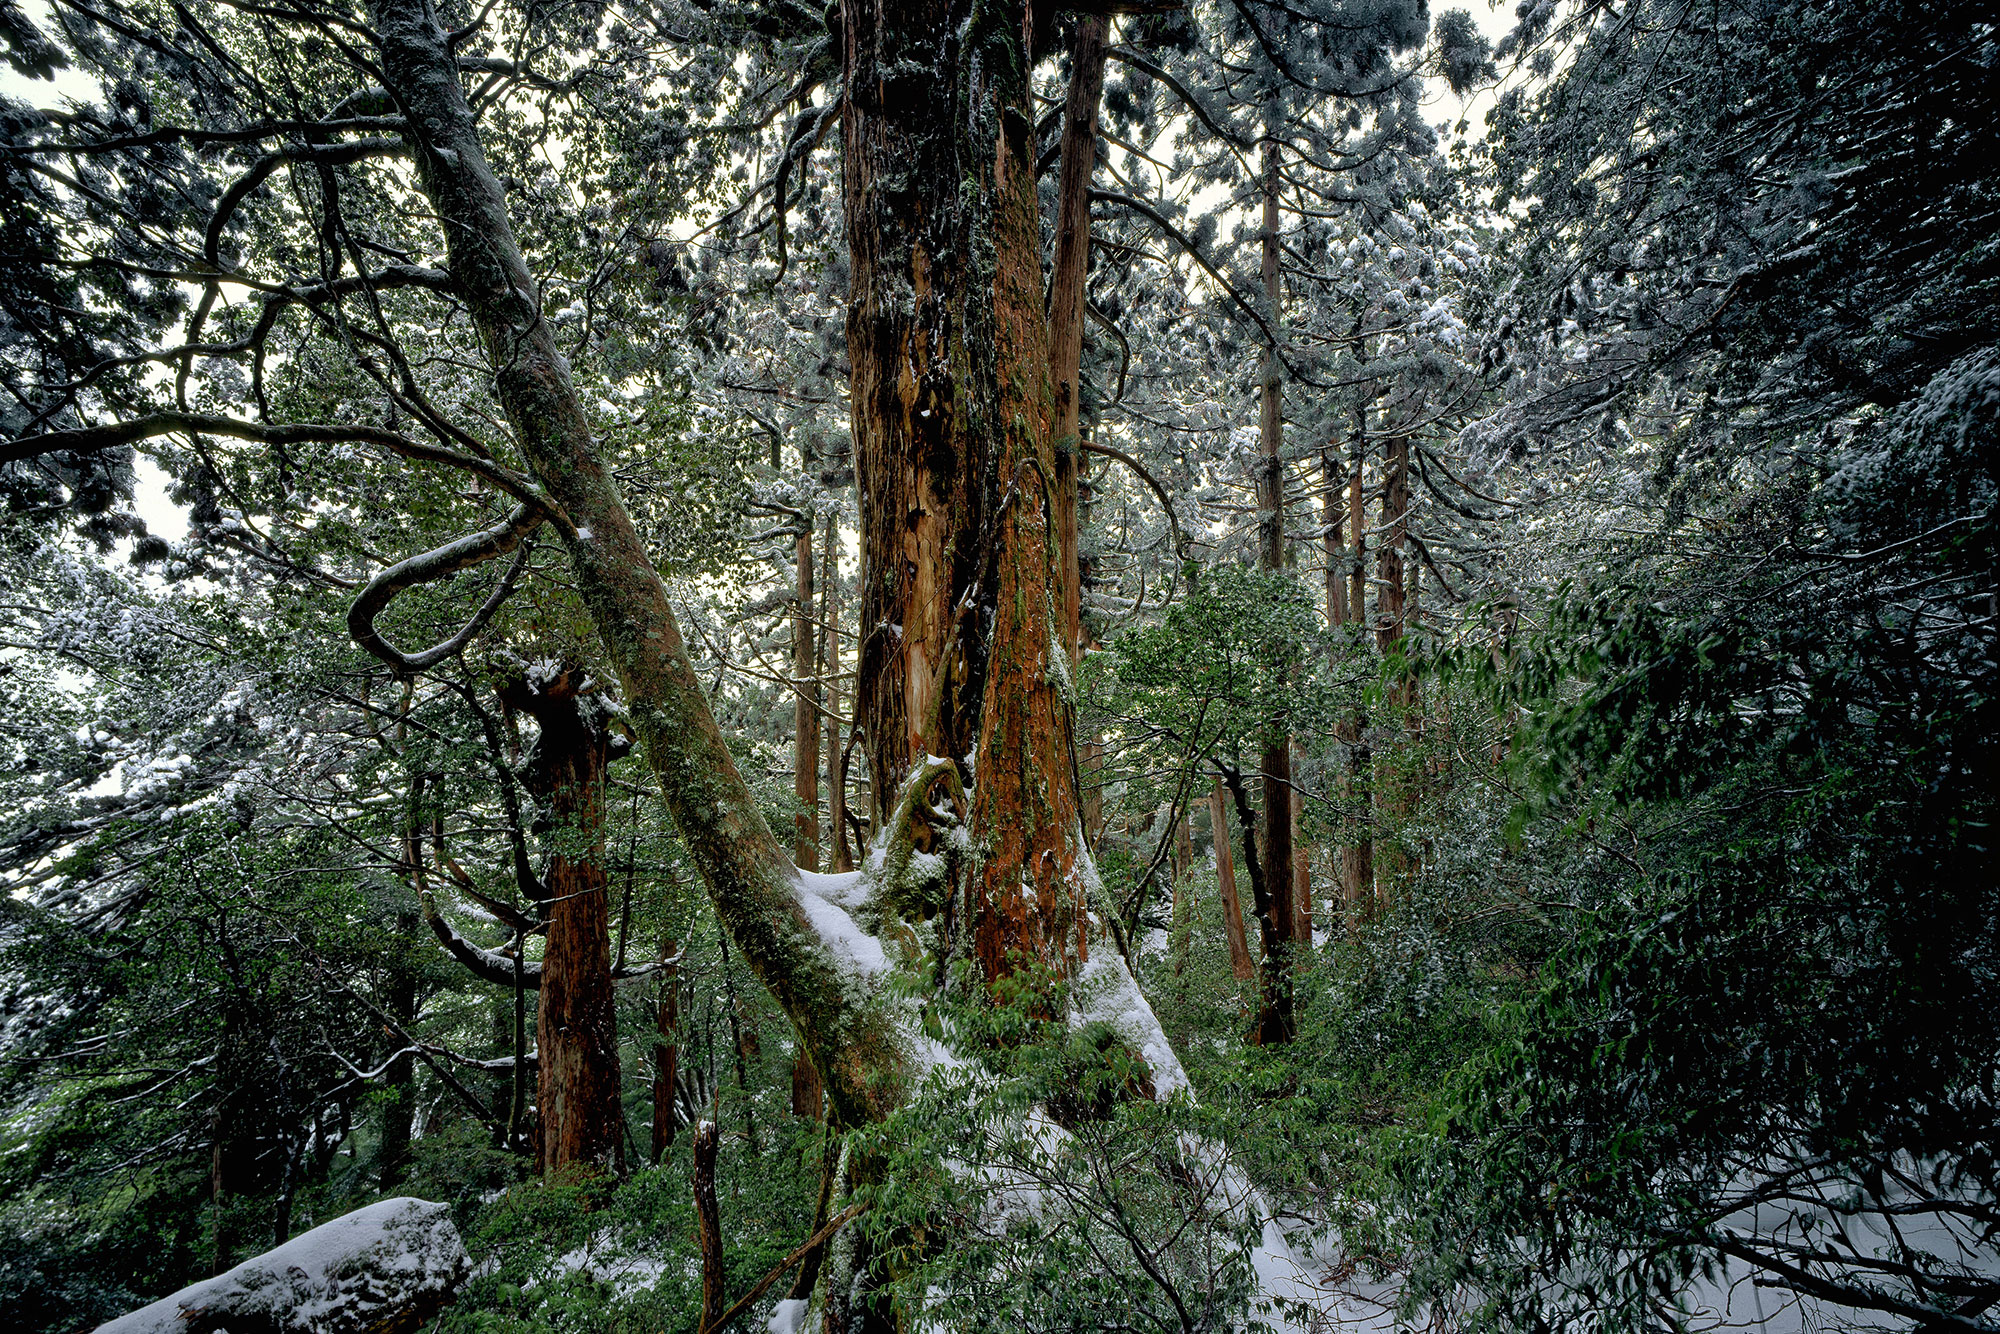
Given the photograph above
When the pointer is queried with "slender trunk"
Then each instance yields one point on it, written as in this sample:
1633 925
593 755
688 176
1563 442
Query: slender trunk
400 1079
666 1053
1274 991
708 1224
749 877
743 1043
1393 787
836 747
1275 775
1067 302
1302 931
805 707
1240 963
1333 515
1357 859
1184 900
576 1030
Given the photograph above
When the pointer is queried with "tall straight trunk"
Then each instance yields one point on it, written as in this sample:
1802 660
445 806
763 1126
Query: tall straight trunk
666 1052
1273 1021
1357 859
1067 315
1393 787
836 745
1067 302
805 704
1302 931
1240 963
576 1027
1026 815
923 456
1275 774
749 877
1333 547
1332 517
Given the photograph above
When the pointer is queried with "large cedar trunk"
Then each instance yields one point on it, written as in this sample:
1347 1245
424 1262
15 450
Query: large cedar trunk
921 441
953 415
576 1030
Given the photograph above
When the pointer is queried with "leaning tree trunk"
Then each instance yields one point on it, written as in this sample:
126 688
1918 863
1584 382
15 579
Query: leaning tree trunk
576 1029
749 877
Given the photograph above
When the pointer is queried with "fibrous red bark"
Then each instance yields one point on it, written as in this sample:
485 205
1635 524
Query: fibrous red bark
576 1029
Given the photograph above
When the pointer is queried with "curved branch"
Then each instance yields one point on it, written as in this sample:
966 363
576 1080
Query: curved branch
1180 538
487 965
430 567
86 439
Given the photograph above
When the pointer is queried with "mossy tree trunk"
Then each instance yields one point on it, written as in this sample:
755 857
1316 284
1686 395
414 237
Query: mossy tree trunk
749 876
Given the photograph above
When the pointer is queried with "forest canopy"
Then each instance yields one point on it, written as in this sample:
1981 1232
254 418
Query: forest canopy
923 665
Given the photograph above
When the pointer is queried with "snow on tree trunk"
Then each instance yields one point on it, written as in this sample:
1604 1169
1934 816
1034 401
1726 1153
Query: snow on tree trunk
379 1270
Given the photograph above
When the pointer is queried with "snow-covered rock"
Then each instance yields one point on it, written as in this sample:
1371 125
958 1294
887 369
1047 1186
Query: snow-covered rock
378 1270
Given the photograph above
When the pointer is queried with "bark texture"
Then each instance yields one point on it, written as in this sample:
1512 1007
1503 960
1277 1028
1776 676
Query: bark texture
1067 303
1275 771
666 1054
920 434
576 1027
1357 858
805 702
1240 963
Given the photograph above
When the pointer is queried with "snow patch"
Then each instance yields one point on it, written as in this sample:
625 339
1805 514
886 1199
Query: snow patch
789 1318
383 1265
1107 993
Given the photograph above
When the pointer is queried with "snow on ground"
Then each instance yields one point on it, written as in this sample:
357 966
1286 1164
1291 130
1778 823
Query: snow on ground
353 1274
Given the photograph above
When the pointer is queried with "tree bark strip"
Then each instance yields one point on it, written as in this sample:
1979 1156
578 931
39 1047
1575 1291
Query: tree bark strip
805 702
1275 772
666 1053
1067 299
1240 963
